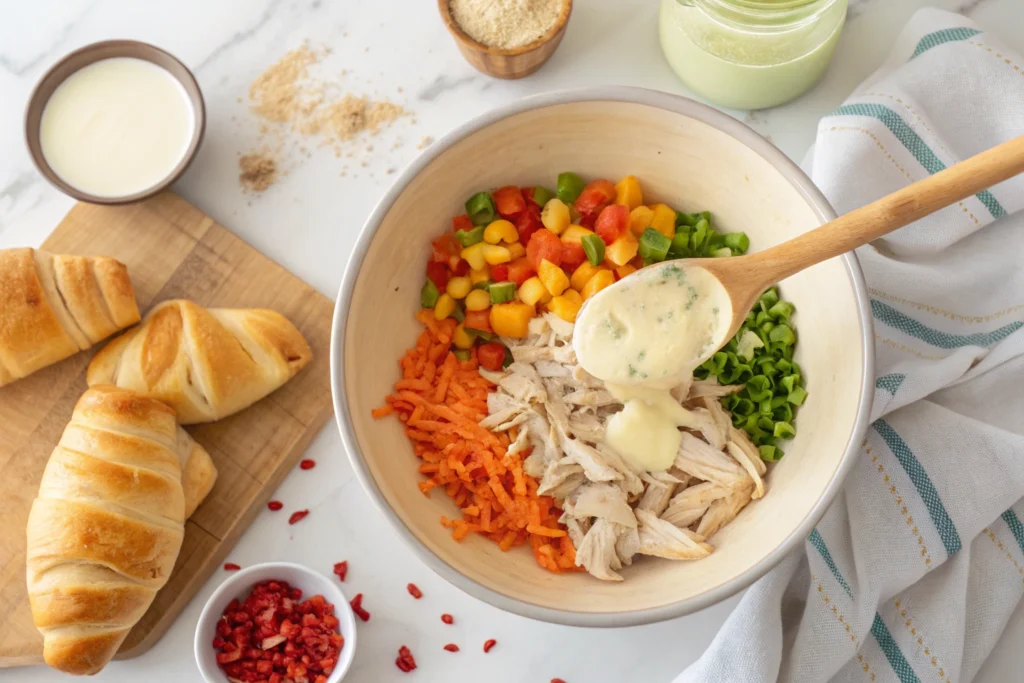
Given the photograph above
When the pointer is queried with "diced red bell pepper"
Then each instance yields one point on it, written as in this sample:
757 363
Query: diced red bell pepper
528 196
491 355
520 270
499 272
446 250
478 320
595 196
509 201
461 223
587 221
528 223
461 268
439 274
612 223
544 245
572 256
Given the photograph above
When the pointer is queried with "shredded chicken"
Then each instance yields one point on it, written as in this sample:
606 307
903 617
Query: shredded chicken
611 509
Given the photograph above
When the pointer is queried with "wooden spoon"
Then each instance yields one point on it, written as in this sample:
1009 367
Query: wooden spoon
745 278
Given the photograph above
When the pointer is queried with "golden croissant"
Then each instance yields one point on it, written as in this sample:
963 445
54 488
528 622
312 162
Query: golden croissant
53 306
205 363
106 527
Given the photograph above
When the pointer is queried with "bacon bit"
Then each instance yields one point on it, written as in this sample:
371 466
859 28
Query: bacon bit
307 464
489 644
414 591
451 647
231 567
341 570
275 505
405 662
297 515
357 607
447 618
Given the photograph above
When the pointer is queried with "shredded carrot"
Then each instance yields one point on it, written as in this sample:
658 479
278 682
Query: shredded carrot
441 401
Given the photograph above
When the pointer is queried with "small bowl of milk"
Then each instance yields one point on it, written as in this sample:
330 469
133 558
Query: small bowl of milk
115 122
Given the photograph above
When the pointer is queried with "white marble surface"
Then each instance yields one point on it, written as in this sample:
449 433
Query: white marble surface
309 221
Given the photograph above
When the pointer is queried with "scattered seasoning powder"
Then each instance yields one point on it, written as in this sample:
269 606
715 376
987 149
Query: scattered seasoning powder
258 171
489 644
297 515
275 505
414 591
341 570
506 24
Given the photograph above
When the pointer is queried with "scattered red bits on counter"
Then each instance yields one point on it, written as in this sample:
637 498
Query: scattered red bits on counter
307 464
489 644
297 515
357 607
447 618
341 570
451 647
405 660
272 637
414 591
275 505
557 680
231 567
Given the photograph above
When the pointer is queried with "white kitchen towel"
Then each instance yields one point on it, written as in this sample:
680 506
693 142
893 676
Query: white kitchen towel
914 570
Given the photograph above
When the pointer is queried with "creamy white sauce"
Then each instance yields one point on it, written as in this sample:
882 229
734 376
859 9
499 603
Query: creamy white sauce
643 336
116 127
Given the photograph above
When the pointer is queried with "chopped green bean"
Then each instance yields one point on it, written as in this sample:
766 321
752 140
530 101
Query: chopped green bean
737 241
721 253
502 291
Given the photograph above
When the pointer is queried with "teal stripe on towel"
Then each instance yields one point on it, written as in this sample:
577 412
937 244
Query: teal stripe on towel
919 477
1011 519
897 661
818 542
914 144
946 35
891 382
893 318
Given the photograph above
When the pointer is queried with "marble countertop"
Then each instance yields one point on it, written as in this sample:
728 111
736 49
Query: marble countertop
308 222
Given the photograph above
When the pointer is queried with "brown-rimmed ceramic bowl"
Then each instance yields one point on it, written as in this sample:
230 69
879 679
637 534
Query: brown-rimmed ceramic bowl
512 63
693 158
85 56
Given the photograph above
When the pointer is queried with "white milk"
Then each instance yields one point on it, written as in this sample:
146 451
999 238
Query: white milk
116 127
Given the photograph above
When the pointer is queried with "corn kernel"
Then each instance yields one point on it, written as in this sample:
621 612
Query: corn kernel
627 192
444 307
458 287
478 300
622 249
583 272
623 271
664 220
567 306
500 230
463 339
555 216
595 284
533 292
574 234
478 276
554 278
494 254
640 219
516 250
474 256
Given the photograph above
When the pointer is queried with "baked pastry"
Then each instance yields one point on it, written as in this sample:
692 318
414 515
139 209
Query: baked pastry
205 363
198 473
53 306
106 527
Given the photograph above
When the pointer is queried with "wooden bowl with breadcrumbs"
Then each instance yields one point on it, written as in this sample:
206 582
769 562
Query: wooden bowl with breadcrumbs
484 54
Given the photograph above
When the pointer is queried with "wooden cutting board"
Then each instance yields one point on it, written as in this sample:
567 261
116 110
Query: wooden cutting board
172 250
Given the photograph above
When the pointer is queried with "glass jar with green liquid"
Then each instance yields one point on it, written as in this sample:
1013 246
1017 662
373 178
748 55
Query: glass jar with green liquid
750 54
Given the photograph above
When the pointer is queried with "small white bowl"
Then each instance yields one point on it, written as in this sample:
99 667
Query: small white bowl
238 586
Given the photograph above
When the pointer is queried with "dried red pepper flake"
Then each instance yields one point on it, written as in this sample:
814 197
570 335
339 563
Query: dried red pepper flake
273 636
297 515
231 567
414 591
341 570
406 662
275 505
447 618
489 644
451 647
307 464
357 606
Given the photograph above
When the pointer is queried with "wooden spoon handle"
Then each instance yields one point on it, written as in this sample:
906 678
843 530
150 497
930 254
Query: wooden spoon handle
893 211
